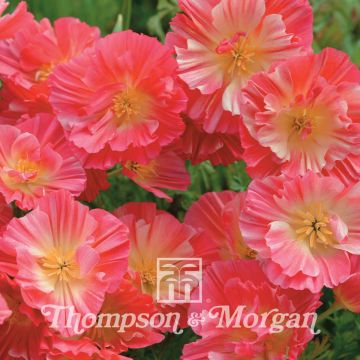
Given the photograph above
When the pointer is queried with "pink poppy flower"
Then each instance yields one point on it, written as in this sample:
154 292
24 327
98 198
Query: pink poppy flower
6 214
17 101
296 123
67 255
96 181
31 56
5 312
218 215
241 283
126 300
347 294
105 342
154 234
8 263
167 171
35 160
23 331
197 145
118 105
83 349
220 44
10 23
304 229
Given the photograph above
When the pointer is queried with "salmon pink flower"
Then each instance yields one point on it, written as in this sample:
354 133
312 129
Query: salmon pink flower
31 56
104 342
154 234
304 229
117 105
17 101
24 332
167 171
96 181
6 214
83 349
11 23
218 214
5 312
347 294
197 145
35 160
220 44
126 300
7 257
67 255
241 283
8 263
199 142
296 123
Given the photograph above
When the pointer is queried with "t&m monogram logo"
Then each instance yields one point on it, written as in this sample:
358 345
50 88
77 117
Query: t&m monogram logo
176 280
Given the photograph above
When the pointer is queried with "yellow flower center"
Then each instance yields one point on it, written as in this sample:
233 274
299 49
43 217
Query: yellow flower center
144 172
59 266
43 73
313 226
302 124
239 55
148 280
125 104
28 170
243 57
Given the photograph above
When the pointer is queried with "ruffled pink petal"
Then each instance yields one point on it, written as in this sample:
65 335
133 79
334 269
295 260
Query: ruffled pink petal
10 23
5 312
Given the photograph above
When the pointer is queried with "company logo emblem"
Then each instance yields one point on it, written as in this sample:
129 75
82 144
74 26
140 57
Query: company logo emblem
176 280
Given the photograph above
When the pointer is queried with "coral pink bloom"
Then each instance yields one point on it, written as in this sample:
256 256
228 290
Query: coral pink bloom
23 333
8 263
220 44
197 145
104 342
5 312
11 23
83 349
304 229
154 234
17 101
27 60
118 105
35 160
67 255
218 214
96 181
126 300
296 123
167 171
5 214
7 257
242 283
347 293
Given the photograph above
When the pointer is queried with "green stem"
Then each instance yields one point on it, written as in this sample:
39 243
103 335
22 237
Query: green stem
126 11
114 172
333 308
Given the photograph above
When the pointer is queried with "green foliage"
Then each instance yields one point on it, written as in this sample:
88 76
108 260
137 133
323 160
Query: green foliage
337 24
169 349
